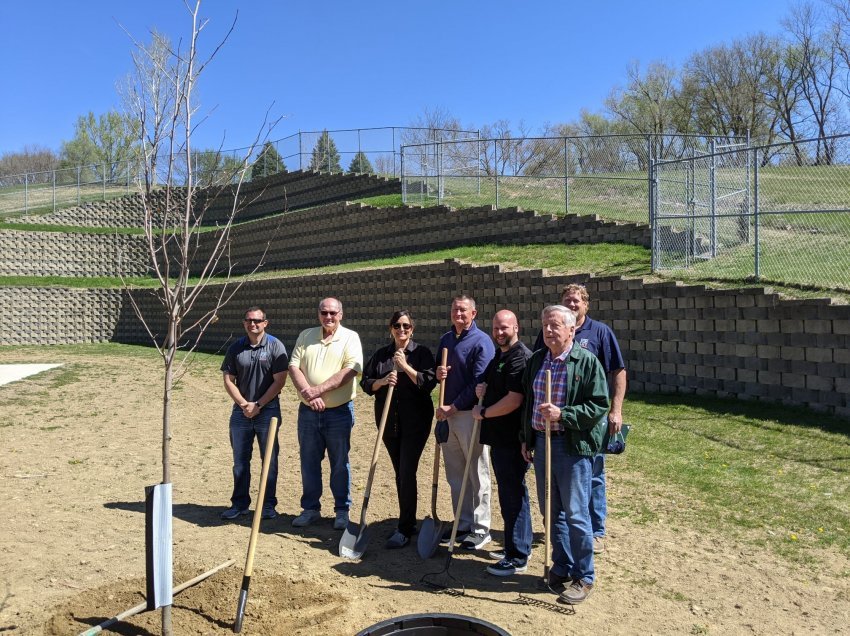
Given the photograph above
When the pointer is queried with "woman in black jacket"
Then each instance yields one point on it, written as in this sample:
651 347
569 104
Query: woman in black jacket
410 368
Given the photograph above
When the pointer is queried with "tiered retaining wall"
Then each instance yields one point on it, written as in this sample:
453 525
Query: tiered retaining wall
336 233
342 232
747 344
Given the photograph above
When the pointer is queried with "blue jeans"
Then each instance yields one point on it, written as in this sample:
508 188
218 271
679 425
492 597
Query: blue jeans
509 468
598 501
242 434
572 535
328 430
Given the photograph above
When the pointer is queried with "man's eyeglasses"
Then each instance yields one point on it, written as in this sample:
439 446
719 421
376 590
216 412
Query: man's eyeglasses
328 313
254 321
402 325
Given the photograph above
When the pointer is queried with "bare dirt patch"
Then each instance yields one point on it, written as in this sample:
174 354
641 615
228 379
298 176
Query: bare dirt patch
80 443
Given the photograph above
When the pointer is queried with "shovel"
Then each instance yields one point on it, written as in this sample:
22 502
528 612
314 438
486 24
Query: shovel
431 579
547 516
255 528
354 540
432 528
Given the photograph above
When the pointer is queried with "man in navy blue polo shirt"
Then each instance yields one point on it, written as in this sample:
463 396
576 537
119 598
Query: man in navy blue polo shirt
599 339
255 369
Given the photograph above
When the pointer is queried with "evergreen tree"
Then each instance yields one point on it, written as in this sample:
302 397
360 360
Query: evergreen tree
268 162
360 164
325 155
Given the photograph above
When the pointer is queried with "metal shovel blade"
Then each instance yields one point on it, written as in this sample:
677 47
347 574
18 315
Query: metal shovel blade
429 538
353 543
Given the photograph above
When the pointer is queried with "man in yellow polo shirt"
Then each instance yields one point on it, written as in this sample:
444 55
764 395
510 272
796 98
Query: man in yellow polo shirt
324 367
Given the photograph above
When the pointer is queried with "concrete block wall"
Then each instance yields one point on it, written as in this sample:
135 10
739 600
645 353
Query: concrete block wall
296 190
71 254
64 315
125 211
747 344
341 232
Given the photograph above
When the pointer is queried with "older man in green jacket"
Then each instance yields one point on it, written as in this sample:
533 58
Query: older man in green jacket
575 416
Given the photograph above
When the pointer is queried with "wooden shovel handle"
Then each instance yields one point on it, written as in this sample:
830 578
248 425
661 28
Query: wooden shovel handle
547 521
258 510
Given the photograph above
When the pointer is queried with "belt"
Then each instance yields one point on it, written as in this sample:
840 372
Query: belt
552 433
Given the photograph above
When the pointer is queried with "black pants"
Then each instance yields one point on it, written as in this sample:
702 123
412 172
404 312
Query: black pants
405 449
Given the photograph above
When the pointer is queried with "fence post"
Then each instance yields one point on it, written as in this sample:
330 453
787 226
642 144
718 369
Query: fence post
496 169
712 193
78 185
756 263
403 180
128 176
359 154
649 169
439 171
566 178
300 159
653 214
103 177
401 159
478 162
53 172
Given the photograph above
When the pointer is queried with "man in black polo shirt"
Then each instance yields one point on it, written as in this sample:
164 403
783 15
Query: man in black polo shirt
500 415
255 369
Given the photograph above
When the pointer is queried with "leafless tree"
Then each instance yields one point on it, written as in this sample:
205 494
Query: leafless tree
171 230
815 49
149 94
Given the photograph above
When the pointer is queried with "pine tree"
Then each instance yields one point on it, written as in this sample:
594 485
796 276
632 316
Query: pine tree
325 155
360 164
268 162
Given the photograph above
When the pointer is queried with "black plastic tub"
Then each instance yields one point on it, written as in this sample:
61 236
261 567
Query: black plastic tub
434 625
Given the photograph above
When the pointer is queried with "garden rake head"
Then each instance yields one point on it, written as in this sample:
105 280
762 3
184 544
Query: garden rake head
443 581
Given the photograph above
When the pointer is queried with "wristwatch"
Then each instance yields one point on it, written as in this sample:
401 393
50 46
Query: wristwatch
259 406
483 411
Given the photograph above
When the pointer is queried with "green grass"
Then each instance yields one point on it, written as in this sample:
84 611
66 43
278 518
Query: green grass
382 201
768 475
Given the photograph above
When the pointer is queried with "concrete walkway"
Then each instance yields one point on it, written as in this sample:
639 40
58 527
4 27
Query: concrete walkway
14 372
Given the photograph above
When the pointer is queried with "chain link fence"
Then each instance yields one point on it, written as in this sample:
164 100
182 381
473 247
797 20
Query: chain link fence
777 214
606 175
355 150
46 191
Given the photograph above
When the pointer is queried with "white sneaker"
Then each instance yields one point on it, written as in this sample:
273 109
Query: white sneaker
306 518
341 521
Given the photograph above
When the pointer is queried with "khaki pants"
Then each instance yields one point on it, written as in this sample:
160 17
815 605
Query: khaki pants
475 511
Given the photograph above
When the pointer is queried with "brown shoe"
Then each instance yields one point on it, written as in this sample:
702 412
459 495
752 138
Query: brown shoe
576 592
598 545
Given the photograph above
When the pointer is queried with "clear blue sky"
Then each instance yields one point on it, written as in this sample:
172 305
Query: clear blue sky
355 64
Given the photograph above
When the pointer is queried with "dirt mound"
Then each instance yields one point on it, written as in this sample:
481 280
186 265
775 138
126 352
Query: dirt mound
277 604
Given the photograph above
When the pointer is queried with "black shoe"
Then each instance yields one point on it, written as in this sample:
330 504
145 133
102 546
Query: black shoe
232 513
447 535
556 582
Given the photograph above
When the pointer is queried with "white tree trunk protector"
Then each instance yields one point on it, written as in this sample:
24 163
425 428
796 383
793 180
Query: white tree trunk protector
158 545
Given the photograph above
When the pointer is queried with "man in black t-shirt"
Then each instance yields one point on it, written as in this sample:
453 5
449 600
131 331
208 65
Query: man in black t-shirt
500 425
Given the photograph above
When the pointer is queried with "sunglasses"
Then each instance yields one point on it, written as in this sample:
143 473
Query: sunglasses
402 325
329 313
254 321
